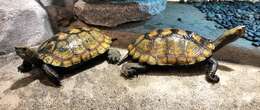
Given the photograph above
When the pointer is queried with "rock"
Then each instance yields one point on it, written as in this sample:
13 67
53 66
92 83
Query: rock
60 12
239 11
250 33
237 15
59 16
112 14
257 39
256 44
210 15
219 26
46 2
257 17
57 2
151 6
251 38
258 28
218 16
22 22
257 34
251 17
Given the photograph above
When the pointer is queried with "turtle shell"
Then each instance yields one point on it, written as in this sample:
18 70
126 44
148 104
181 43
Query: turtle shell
74 46
171 46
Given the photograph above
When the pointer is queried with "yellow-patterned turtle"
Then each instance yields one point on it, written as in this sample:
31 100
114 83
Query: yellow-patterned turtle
66 49
176 47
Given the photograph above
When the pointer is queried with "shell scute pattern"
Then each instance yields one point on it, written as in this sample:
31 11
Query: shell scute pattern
73 47
171 46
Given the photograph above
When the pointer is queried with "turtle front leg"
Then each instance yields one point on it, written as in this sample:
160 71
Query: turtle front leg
51 74
129 70
25 67
113 56
211 76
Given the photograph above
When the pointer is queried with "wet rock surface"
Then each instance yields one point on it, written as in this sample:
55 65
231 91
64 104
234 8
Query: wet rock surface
231 14
22 22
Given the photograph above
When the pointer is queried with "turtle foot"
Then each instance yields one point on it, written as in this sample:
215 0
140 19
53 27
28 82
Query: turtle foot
213 78
113 56
24 69
130 70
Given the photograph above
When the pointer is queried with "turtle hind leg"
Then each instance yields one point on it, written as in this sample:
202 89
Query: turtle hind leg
113 56
211 75
51 74
25 67
130 70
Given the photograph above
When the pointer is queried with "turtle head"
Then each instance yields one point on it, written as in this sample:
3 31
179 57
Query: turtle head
235 33
24 52
229 36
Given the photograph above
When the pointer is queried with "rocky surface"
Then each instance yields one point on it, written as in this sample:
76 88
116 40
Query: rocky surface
107 14
22 22
152 7
57 2
112 14
102 87
230 14
59 17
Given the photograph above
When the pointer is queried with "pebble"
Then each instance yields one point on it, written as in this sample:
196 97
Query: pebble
256 44
257 34
218 16
250 33
231 14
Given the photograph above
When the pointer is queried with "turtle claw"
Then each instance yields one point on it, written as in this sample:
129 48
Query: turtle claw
23 69
213 78
129 73
130 70
113 56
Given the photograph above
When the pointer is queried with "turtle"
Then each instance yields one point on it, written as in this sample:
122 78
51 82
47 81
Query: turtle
66 49
175 47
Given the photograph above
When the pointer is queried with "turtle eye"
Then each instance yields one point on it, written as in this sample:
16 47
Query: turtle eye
132 41
62 49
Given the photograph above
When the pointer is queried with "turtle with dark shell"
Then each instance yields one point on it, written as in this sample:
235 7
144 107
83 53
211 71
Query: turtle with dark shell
67 49
169 46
